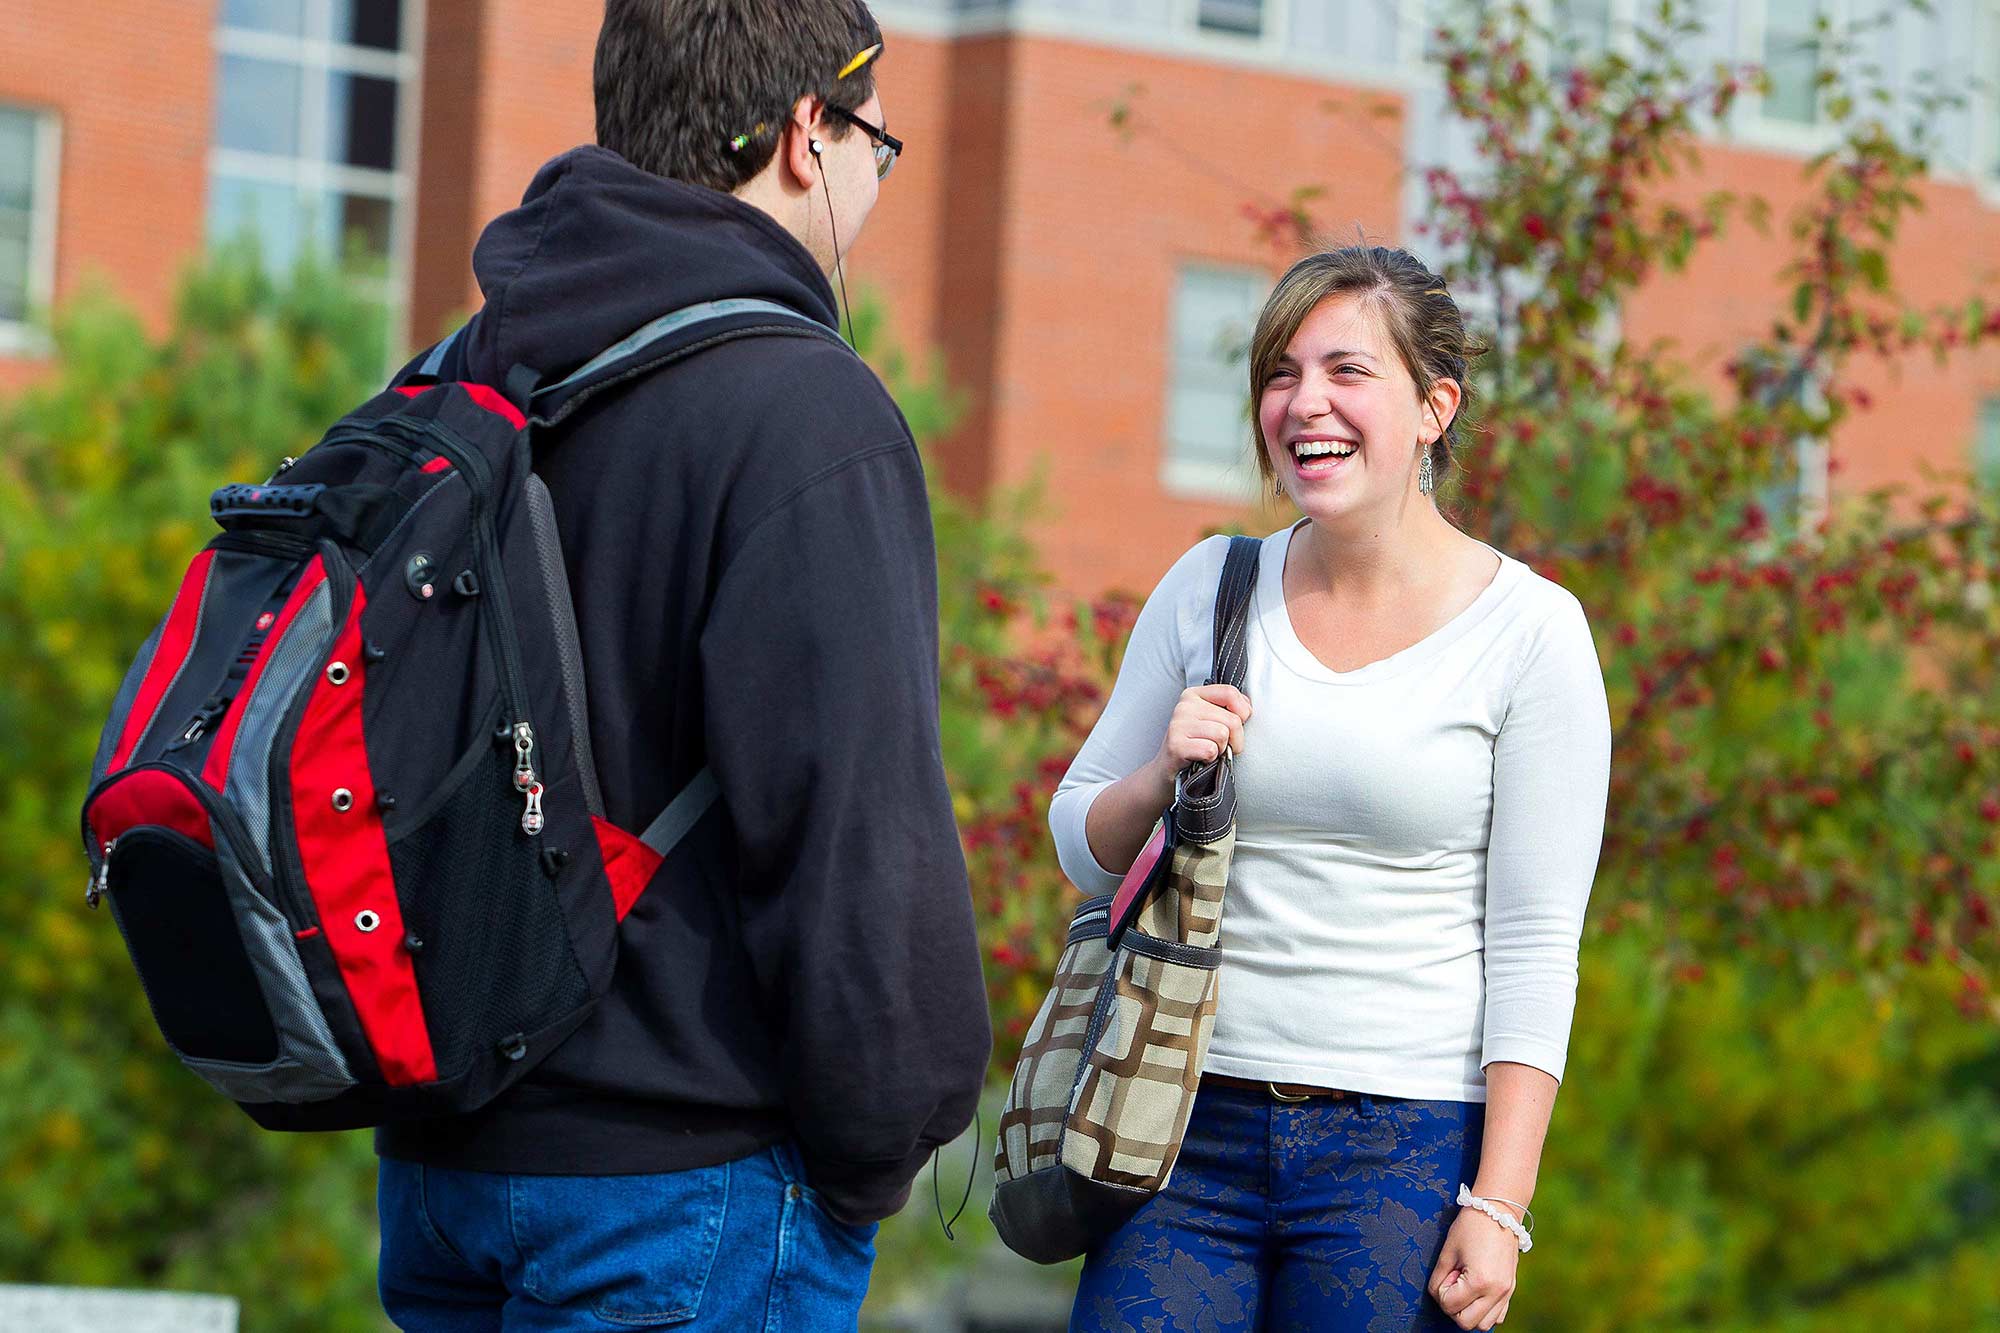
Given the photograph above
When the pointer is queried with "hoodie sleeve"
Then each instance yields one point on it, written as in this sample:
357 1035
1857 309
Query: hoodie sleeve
820 666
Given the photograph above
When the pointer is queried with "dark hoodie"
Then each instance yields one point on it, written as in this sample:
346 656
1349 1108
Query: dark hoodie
749 544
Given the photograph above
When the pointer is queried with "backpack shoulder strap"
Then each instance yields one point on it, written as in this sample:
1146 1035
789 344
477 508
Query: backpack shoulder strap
1232 610
674 823
669 338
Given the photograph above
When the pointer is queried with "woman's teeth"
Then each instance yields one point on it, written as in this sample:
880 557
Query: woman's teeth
1318 456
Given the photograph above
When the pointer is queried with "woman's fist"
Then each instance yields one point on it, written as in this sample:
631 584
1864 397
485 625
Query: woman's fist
1206 719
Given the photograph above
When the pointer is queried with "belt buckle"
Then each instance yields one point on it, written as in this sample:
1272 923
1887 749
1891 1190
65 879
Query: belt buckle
1285 1097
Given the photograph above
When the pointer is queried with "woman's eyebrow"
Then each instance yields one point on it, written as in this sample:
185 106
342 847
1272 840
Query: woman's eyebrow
1344 353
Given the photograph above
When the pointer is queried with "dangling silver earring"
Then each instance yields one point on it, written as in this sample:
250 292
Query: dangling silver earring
1277 489
1426 475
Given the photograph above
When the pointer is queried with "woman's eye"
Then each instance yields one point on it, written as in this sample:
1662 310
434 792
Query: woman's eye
1350 366
1279 374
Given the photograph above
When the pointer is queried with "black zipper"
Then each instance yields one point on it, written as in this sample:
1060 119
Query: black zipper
500 626
234 830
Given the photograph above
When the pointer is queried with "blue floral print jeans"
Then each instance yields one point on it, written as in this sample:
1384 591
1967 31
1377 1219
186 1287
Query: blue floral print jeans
1325 1215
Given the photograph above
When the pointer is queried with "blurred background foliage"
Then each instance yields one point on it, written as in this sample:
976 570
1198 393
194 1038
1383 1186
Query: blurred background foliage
1783 1109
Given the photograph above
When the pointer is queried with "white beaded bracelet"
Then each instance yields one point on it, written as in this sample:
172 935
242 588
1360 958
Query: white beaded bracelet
1467 1199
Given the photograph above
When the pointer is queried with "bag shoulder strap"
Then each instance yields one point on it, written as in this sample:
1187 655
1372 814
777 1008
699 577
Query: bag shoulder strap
679 818
676 334
1232 611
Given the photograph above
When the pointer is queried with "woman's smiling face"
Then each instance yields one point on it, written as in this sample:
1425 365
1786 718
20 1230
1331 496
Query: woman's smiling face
1341 418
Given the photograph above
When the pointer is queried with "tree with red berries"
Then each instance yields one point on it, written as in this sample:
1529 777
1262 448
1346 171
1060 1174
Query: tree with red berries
1784 1102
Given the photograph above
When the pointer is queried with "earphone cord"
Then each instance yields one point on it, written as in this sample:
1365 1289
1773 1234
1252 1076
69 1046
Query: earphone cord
834 228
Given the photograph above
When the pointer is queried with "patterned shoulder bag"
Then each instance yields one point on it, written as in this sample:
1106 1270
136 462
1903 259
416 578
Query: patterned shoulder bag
1108 1070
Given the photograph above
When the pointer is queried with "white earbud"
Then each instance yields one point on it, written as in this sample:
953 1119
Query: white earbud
815 148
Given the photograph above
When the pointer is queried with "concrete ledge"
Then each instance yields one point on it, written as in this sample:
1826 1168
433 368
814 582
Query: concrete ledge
101 1310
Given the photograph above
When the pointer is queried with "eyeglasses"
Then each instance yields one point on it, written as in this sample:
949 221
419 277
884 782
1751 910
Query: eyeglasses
887 146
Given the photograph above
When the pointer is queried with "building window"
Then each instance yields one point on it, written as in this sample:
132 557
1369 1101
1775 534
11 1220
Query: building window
1243 17
1991 47
1792 35
27 218
1209 444
313 108
1581 27
1986 445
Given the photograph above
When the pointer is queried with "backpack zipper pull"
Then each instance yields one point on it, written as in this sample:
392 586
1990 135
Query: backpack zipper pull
531 820
100 883
524 747
205 717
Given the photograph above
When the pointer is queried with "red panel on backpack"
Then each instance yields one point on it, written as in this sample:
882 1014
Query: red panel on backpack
628 863
175 641
346 860
215 772
150 796
485 395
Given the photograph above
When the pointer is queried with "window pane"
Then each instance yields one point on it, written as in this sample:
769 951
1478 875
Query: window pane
1793 17
286 16
1791 59
1208 309
1208 419
1210 423
14 228
1986 445
1244 16
273 213
1794 95
17 159
376 23
258 109
365 225
361 121
1582 25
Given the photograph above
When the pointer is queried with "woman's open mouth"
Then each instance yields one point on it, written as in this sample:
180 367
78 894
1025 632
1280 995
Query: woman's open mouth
1321 458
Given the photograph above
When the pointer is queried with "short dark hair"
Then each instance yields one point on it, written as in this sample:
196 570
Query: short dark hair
699 90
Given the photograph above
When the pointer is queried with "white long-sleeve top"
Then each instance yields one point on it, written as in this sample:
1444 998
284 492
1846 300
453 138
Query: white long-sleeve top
1415 839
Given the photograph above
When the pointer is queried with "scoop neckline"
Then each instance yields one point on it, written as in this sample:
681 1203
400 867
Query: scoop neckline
1276 619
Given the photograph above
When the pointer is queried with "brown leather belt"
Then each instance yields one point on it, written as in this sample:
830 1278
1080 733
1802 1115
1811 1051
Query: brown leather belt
1284 1092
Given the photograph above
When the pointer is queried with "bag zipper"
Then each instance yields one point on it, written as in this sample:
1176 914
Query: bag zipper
233 831
501 625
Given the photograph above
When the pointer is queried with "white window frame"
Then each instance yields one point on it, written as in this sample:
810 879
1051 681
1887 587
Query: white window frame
1273 39
25 337
317 54
1192 478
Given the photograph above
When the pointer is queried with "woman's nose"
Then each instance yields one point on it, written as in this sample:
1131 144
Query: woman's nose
1312 401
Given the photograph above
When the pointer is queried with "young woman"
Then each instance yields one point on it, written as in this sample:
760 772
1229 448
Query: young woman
1421 788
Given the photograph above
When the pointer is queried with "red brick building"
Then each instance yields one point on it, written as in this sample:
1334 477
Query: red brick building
1074 272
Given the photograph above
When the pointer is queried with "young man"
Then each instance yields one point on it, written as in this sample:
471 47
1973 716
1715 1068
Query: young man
798 1016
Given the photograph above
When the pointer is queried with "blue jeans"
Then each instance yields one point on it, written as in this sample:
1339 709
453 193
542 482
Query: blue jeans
1325 1215
743 1246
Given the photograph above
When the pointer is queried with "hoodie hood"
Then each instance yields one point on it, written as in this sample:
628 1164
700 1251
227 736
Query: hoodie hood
599 247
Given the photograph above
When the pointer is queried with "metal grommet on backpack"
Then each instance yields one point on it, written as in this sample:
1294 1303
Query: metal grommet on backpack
1108 1070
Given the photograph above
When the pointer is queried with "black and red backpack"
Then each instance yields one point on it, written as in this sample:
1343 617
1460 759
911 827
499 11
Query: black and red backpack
344 810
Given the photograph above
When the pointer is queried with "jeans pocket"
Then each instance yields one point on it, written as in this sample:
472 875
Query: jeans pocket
633 1250
861 1236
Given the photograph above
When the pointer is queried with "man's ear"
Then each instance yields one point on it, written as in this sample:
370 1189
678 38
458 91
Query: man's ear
798 163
